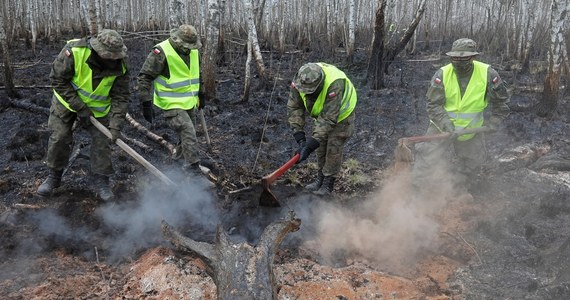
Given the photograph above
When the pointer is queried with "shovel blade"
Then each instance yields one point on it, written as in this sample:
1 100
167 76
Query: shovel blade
267 198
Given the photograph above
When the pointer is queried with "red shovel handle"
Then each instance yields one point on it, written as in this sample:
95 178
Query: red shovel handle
271 177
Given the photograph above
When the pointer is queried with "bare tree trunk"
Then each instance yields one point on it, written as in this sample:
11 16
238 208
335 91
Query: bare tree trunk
549 102
6 59
210 54
240 271
32 13
351 32
247 81
375 73
176 9
408 33
252 37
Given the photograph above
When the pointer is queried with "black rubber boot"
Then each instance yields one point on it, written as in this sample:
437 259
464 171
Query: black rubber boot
327 186
103 187
52 182
193 169
315 185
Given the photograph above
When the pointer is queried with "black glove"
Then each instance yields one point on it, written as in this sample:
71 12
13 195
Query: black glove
83 114
147 111
115 134
310 146
201 100
300 139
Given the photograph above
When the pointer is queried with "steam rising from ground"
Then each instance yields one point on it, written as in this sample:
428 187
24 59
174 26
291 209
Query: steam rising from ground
392 227
138 223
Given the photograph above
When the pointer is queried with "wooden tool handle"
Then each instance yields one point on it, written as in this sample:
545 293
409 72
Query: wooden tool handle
132 153
271 177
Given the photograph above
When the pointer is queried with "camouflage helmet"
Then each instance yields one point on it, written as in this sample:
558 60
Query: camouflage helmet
463 47
186 36
308 78
109 45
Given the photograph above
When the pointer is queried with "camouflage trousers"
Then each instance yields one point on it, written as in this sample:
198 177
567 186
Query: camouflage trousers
464 160
60 142
182 122
329 154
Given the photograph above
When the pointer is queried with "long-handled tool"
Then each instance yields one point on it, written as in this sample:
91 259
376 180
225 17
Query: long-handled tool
267 197
403 153
133 153
203 121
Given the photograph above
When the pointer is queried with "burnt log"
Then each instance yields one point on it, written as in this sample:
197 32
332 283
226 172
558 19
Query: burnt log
240 271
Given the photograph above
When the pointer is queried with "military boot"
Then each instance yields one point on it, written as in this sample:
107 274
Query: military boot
193 169
327 186
316 184
52 182
103 187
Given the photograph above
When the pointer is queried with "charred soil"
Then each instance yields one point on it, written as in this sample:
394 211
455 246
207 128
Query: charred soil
509 239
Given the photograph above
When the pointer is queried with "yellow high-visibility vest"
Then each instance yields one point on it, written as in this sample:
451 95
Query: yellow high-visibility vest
466 111
349 99
181 89
97 99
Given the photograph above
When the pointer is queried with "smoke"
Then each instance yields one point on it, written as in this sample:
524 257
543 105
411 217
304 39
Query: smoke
137 224
392 227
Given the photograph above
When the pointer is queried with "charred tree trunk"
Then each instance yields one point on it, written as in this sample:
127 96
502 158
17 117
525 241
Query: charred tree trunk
375 74
408 34
8 71
549 102
240 271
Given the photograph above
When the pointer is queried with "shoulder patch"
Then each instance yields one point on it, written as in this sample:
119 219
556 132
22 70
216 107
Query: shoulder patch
292 85
67 52
437 80
332 95
496 79
156 51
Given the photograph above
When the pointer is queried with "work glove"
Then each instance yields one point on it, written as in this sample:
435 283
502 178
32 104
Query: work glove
201 100
300 139
147 111
83 114
115 134
310 146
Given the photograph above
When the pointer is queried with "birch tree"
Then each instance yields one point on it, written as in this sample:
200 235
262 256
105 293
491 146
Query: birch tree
351 32
549 102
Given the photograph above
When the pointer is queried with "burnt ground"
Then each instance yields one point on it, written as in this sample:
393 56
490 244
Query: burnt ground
509 240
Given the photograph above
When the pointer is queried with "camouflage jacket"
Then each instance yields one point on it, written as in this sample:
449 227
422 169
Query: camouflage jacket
63 70
497 95
328 117
155 65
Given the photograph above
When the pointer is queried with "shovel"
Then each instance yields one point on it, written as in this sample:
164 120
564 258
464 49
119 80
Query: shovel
267 197
403 153
133 153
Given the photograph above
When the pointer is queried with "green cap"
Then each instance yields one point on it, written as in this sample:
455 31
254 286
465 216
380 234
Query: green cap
186 36
308 78
109 45
463 47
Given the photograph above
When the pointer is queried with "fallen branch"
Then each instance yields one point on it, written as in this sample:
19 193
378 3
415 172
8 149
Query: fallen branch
153 136
28 106
240 271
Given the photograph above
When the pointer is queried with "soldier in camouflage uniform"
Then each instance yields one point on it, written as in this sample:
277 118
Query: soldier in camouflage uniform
325 93
89 78
170 79
457 98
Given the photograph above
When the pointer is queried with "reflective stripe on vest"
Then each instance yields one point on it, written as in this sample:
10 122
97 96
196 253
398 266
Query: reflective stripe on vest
466 111
349 99
97 100
181 89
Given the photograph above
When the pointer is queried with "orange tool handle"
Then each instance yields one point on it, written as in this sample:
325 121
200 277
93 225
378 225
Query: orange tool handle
271 177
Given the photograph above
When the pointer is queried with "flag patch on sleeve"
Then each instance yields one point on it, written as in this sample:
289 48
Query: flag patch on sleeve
437 80
331 95
156 51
